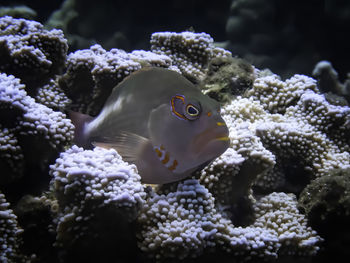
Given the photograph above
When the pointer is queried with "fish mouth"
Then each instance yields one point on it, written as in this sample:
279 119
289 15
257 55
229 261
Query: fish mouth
222 138
212 141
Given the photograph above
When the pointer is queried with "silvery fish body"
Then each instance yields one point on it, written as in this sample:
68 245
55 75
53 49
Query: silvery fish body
160 121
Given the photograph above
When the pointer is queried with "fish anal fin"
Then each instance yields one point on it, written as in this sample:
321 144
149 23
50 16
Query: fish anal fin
128 145
79 121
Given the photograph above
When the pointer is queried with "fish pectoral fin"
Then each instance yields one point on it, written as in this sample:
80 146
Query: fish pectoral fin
105 145
128 145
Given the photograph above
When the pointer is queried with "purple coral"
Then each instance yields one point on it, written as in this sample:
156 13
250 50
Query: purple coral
190 52
294 124
98 196
93 73
28 127
185 223
30 52
9 233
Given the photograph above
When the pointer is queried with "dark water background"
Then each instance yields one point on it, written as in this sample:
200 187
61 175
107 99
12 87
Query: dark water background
286 36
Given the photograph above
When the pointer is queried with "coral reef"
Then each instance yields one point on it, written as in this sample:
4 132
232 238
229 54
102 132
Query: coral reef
179 224
51 95
11 156
30 52
190 52
9 234
227 77
36 216
98 195
302 135
20 11
92 74
326 203
293 124
27 127
278 212
327 196
276 95
242 206
185 223
328 79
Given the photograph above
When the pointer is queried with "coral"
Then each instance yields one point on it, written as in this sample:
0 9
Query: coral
52 96
218 177
327 199
93 73
11 156
185 223
229 178
61 18
328 79
293 126
28 127
35 215
190 52
227 77
98 196
30 52
278 213
179 224
276 95
9 233
282 135
326 203
313 132
331 120
242 116
20 11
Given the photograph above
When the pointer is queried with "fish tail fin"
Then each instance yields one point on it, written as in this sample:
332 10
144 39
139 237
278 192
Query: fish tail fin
79 121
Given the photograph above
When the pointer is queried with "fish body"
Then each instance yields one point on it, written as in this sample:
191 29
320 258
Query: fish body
161 122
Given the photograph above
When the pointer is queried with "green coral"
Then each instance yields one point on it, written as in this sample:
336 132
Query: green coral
227 78
326 203
327 199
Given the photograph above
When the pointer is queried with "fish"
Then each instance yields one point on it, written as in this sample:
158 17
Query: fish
161 122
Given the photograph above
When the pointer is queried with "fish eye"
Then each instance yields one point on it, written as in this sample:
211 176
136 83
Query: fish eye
192 111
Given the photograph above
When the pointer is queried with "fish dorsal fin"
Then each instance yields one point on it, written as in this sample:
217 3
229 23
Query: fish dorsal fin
128 145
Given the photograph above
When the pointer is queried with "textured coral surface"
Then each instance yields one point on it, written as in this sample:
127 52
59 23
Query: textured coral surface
30 52
287 139
10 232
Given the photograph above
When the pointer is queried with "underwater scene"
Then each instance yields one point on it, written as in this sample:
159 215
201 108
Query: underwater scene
174 131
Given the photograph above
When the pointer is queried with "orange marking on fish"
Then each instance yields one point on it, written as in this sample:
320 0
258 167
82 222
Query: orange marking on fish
173 106
209 113
173 166
159 153
166 158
